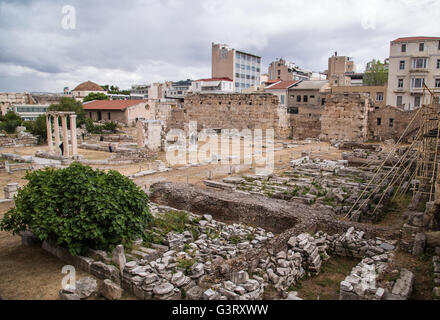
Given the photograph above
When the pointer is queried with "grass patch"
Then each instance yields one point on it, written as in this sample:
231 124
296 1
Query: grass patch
325 286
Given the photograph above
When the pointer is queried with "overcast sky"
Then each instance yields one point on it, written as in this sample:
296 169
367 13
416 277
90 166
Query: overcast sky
143 41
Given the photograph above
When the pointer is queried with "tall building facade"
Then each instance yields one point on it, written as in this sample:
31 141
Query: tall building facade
338 65
413 61
286 71
243 68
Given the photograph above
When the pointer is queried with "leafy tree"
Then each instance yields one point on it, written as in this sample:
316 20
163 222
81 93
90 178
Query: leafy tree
37 128
69 104
109 126
95 96
80 208
10 121
376 73
115 89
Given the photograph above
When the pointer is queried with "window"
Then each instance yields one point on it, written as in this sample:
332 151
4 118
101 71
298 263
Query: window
306 98
391 123
379 96
293 110
282 99
438 63
298 98
279 71
420 63
400 83
312 97
403 47
417 83
422 47
399 102
437 83
379 121
237 66
323 101
417 101
108 115
90 114
402 65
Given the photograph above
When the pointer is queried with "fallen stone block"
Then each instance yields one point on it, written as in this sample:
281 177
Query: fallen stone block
110 290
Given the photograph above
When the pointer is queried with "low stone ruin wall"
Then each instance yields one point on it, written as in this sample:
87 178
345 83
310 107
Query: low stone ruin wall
275 215
214 262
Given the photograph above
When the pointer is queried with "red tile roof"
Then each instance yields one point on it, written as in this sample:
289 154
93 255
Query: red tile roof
283 84
215 79
407 39
111 104
272 81
88 86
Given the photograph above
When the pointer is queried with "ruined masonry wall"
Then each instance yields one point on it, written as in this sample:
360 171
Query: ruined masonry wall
233 111
345 117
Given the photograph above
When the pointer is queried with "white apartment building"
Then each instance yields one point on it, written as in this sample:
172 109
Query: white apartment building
414 61
212 85
244 69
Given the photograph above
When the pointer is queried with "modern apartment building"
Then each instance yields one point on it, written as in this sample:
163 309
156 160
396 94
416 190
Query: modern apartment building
244 69
339 70
340 65
286 71
414 61
139 91
213 85
178 89
29 112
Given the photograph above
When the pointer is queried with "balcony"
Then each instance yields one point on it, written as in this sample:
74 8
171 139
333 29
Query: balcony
416 90
400 90
418 70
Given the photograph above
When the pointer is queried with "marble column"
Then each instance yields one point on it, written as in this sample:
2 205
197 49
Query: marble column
65 136
56 128
49 133
73 134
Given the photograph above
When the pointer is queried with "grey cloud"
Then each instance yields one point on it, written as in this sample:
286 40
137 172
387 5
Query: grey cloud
124 42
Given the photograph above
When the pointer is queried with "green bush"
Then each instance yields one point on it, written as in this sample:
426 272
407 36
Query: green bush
70 104
98 129
95 96
80 208
9 122
38 128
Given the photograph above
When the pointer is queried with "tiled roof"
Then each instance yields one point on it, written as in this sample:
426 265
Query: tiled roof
111 104
283 84
407 39
215 79
88 86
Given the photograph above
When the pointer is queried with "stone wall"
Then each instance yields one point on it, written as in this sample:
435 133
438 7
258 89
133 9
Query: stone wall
306 125
390 123
232 111
345 117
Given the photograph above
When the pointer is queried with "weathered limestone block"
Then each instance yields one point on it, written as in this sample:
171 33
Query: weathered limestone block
404 285
86 287
419 244
11 190
104 271
119 257
110 290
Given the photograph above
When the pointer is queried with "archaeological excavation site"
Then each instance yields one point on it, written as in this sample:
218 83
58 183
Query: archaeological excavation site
226 197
